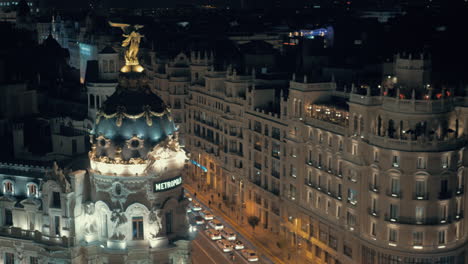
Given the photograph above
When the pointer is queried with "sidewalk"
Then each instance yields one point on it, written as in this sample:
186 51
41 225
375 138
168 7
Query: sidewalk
264 241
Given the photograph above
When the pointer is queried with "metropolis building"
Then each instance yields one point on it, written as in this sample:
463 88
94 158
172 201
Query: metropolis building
128 207
357 174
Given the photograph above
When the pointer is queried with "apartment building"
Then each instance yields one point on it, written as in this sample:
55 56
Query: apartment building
357 174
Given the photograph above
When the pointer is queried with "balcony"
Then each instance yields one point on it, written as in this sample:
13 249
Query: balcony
257 165
276 135
373 188
373 212
275 154
422 221
275 192
421 196
445 195
309 183
275 174
258 147
394 194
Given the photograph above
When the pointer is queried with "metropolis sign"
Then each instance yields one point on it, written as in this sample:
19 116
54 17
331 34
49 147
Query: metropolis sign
167 185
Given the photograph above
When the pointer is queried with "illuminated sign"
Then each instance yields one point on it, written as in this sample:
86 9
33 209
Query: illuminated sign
167 185
199 165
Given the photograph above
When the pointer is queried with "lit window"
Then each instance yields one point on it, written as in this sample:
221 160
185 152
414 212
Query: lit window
32 190
417 238
393 212
137 224
395 185
445 161
376 156
396 161
442 237
373 230
392 235
8 187
354 151
421 163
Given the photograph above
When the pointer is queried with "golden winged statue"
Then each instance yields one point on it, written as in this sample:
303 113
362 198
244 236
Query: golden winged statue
132 43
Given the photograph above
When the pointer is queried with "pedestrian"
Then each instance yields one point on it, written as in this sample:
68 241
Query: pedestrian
219 195
209 203
195 194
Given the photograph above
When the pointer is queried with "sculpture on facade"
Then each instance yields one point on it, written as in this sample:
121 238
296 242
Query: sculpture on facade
155 218
132 41
90 223
118 218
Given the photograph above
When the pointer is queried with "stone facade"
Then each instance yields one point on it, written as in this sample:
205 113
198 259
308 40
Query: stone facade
360 175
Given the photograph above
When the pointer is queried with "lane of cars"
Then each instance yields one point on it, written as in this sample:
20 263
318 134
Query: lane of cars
224 238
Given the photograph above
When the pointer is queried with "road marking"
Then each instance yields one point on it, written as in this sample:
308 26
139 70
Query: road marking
266 252
200 247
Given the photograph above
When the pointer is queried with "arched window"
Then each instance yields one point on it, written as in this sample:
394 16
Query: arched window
32 190
8 187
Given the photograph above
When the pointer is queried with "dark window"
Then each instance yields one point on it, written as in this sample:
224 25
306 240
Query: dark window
168 222
8 217
348 251
443 186
56 200
33 260
74 146
57 225
9 258
137 224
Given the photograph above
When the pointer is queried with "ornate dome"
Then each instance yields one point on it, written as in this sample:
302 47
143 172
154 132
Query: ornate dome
131 123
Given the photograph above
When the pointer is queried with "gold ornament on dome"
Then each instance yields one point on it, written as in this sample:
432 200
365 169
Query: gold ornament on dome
120 114
135 143
132 43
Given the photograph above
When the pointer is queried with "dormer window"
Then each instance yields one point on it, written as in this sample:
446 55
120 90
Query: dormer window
8 187
32 190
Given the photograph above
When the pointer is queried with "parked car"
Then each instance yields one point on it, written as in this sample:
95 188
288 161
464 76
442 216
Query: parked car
249 255
238 245
206 215
199 220
213 234
228 234
225 245
215 224
195 207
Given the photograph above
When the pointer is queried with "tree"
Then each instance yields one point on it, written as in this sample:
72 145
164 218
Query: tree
253 221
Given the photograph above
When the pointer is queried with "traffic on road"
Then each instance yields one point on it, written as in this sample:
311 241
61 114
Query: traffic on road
217 231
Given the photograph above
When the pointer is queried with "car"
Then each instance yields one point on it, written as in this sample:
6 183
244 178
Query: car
187 195
228 234
238 245
225 245
206 215
249 255
213 234
199 220
195 207
215 224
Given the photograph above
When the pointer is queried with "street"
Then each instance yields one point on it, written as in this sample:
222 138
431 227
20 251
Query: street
205 250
